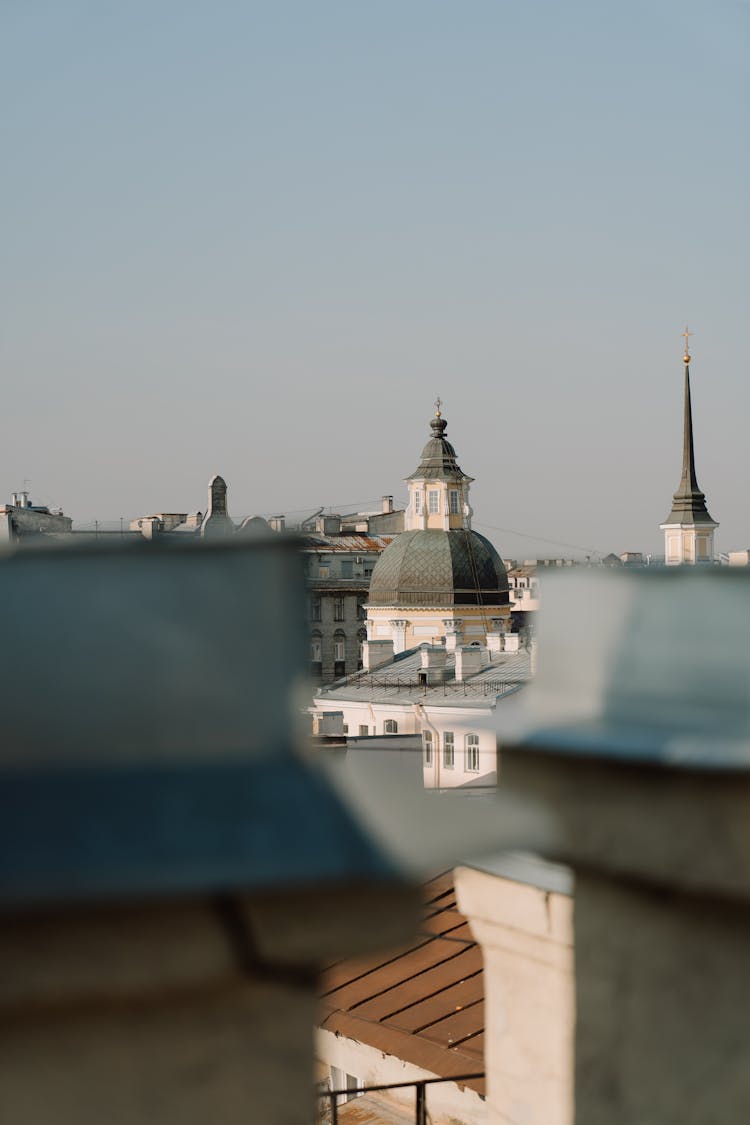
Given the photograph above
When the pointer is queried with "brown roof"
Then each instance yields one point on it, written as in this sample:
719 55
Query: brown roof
423 1003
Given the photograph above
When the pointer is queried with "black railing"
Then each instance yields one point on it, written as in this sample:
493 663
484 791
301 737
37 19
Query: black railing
408 683
420 1095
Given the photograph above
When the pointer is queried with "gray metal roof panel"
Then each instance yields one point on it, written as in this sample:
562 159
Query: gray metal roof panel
439 568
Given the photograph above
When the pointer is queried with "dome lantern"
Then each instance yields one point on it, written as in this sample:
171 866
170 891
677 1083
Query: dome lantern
438 487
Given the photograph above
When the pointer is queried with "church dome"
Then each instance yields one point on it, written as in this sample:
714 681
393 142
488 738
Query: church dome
439 568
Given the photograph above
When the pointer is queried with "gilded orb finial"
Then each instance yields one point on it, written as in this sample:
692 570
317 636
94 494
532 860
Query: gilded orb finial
686 334
438 404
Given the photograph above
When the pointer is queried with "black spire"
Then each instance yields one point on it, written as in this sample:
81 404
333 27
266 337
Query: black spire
688 503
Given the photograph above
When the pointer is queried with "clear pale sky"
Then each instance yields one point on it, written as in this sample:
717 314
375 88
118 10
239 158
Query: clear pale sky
258 239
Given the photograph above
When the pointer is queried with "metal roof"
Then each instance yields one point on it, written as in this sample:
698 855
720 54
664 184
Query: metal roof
398 682
438 460
365 544
439 568
423 1003
150 747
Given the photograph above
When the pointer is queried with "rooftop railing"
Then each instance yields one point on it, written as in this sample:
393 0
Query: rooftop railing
328 1114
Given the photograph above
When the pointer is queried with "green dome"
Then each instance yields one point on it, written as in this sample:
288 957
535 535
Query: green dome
439 568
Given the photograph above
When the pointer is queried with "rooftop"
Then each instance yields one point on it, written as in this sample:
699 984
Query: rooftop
423 1003
363 543
398 681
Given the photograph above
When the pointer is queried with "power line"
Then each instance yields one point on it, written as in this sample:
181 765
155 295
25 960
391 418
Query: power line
541 539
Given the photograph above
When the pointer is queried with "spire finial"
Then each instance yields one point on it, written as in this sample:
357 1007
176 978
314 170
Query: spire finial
438 404
686 334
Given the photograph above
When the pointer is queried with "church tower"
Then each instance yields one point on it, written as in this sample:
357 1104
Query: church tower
438 487
438 582
688 529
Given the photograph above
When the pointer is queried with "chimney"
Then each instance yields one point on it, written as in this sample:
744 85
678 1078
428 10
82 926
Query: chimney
433 664
387 504
512 642
328 525
468 661
151 526
376 653
329 723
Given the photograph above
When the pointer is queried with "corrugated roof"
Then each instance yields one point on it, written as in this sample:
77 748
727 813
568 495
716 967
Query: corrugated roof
423 1003
363 543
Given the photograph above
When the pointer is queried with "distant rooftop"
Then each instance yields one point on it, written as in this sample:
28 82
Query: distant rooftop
363 543
398 681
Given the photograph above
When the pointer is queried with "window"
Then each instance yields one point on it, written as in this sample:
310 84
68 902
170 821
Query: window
427 745
369 566
316 647
323 570
338 609
361 638
433 498
315 608
346 1083
453 502
347 568
339 654
418 503
472 753
361 611
363 731
390 726
449 752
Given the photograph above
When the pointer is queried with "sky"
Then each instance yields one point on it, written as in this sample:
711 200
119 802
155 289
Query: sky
260 238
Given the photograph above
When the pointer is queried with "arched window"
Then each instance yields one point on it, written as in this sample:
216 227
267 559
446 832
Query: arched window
316 650
449 750
390 726
339 653
427 745
472 753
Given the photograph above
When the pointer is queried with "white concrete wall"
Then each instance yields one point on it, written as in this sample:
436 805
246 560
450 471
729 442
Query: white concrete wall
526 934
414 719
374 716
462 721
446 1103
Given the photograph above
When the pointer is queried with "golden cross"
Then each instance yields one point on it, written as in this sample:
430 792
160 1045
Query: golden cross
438 404
686 334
